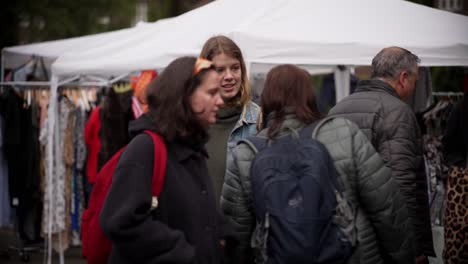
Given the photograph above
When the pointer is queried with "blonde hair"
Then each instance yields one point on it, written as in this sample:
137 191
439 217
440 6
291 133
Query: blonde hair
223 45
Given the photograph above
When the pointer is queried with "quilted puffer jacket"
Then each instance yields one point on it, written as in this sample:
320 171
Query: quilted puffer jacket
391 126
383 227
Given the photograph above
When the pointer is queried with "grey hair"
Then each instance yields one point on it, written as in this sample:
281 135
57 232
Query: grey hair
391 61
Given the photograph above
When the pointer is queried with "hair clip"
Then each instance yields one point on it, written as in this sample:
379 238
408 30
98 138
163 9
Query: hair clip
201 64
122 88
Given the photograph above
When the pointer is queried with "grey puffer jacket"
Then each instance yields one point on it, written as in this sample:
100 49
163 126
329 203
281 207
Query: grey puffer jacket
391 126
382 220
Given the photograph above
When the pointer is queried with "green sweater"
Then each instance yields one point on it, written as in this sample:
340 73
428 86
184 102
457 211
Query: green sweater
217 145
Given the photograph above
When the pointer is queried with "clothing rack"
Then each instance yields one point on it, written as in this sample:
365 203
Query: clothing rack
54 85
447 93
19 247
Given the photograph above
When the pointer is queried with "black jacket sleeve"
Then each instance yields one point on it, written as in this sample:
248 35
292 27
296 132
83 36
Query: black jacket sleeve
125 217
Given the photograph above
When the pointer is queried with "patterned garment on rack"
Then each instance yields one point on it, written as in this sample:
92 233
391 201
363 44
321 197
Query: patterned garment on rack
437 172
456 217
78 199
55 206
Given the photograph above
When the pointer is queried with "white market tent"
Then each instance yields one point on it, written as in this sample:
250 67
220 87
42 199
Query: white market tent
183 35
317 32
306 32
49 51
343 32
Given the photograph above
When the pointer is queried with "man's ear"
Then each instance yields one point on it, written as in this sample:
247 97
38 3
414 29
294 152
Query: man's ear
402 78
399 83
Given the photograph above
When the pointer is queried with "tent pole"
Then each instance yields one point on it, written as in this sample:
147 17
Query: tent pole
342 82
95 78
68 80
118 78
2 76
20 83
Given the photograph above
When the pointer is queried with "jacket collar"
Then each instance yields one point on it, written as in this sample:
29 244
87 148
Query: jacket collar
249 113
376 85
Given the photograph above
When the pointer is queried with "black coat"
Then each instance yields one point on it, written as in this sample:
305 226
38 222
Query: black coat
456 136
391 126
185 228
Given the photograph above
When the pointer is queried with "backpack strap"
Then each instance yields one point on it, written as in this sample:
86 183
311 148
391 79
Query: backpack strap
313 128
319 124
306 131
256 143
159 166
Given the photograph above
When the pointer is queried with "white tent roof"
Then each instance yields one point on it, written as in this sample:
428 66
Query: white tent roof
318 32
308 32
182 35
352 32
51 50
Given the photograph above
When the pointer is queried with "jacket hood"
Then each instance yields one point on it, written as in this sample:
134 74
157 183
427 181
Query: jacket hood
139 125
376 85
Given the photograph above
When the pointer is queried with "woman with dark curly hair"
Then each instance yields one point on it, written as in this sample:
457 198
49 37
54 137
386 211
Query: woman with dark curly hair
186 226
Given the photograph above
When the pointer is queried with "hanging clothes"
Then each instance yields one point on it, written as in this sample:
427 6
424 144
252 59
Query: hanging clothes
421 98
435 122
93 143
456 134
456 210
5 208
78 200
456 215
22 154
115 115
58 190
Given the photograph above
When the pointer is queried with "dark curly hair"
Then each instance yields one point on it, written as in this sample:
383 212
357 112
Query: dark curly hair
168 99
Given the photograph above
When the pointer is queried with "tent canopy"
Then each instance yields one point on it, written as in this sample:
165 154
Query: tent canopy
352 32
16 56
314 32
181 36
306 32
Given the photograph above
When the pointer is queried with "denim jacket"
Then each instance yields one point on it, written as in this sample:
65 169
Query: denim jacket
246 126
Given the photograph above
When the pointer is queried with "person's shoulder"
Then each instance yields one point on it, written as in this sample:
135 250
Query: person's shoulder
358 102
338 126
141 144
141 138
251 112
244 151
252 107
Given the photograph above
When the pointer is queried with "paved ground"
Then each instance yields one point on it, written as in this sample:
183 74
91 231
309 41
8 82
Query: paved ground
73 255
10 255
438 237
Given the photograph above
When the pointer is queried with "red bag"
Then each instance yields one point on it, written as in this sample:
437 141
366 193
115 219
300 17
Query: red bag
96 246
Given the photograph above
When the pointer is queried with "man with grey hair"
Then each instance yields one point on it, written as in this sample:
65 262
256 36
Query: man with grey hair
378 108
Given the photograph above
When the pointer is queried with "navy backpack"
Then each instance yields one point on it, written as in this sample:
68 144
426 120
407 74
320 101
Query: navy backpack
297 202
